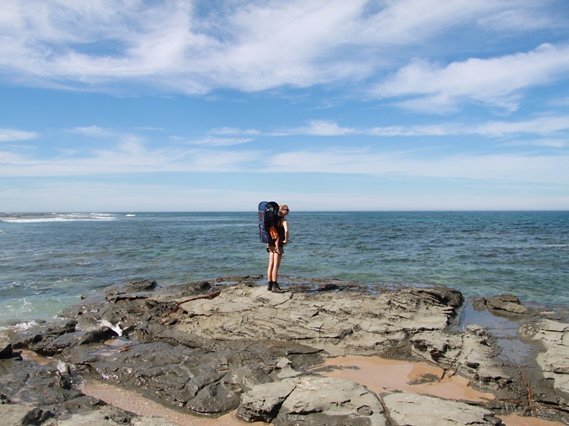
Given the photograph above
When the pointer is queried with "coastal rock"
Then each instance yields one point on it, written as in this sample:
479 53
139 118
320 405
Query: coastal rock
473 353
554 335
263 401
47 338
504 304
13 414
361 324
479 359
5 346
312 400
214 346
205 381
413 409
19 414
45 391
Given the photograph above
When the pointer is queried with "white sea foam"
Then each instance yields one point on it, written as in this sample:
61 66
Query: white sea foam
26 325
57 217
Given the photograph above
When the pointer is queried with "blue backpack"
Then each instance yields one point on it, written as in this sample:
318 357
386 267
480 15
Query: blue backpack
268 216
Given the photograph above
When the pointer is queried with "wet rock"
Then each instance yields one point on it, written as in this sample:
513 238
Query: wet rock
213 346
413 409
191 378
46 338
504 304
5 346
96 336
46 392
19 414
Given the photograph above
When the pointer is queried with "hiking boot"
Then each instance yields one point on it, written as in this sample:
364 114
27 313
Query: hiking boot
276 288
270 286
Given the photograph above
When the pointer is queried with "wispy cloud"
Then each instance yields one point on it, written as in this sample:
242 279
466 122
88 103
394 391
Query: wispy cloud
129 156
94 131
496 81
252 46
325 128
213 141
13 135
501 167
540 125
133 158
234 131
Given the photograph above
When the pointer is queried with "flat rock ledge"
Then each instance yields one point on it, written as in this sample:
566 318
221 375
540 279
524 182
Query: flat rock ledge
212 347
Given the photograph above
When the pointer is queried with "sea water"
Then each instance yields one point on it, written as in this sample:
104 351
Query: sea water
47 261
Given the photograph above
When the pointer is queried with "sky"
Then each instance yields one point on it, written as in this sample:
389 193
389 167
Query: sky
198 105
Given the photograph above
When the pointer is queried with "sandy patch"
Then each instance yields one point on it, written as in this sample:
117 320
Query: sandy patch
515 420
131 401
386 375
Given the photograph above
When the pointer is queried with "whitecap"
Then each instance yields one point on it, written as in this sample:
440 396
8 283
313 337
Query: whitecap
58 217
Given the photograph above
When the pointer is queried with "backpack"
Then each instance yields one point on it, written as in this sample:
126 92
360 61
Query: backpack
268 217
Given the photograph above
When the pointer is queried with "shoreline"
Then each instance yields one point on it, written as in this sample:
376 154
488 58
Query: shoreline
320 335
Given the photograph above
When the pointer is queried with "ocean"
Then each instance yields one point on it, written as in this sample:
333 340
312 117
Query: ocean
47 261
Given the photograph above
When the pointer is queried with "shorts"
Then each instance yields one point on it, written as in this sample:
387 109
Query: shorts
271 247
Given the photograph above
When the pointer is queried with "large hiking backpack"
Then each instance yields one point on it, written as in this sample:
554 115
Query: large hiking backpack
268 216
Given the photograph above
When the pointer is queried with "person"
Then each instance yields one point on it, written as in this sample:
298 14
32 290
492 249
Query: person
275 247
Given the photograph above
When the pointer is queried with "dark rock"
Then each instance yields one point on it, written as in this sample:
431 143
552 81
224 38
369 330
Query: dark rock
5 347
96 336
211 347
504 304
37 416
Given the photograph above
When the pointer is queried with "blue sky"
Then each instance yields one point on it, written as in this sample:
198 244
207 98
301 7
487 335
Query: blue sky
116 105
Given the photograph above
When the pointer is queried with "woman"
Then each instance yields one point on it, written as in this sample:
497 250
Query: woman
276 250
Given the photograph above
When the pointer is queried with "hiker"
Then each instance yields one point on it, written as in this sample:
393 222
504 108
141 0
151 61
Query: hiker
275 247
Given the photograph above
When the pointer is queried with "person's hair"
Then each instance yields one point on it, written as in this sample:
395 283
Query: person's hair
283 207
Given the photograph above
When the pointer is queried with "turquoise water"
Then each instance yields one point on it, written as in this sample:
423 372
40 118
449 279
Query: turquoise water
47 261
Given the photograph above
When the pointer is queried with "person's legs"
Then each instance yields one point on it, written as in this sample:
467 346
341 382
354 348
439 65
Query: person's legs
275 271
270 268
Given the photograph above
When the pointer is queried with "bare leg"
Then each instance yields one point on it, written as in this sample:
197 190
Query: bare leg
273 268
270 267
273 271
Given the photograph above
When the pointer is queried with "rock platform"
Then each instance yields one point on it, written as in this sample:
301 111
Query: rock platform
209 348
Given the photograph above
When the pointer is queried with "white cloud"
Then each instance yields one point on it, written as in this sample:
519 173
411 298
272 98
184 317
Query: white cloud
497 82
409 21
245 45
325 128
214 141
540 125
13 135
548 143
235 131
94 131
544 125
128 157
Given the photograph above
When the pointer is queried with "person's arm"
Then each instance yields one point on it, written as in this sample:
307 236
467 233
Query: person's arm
285 226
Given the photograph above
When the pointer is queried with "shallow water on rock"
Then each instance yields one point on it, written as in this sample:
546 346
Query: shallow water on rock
515 351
